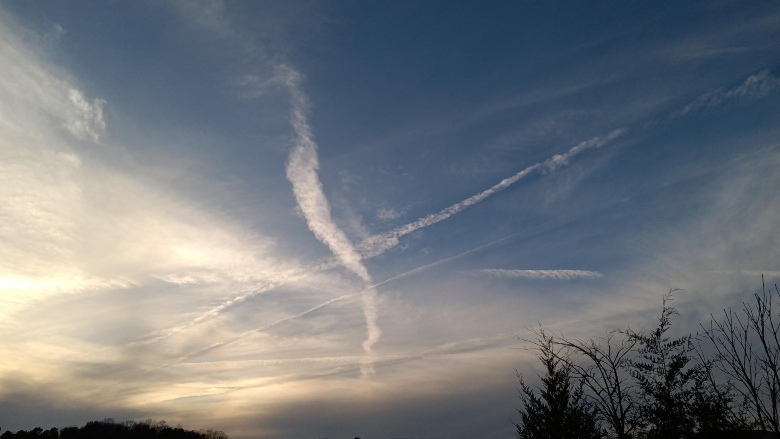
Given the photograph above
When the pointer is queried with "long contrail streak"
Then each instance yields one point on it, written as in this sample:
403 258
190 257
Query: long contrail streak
378 244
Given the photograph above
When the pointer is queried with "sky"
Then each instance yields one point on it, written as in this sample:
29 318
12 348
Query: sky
338 219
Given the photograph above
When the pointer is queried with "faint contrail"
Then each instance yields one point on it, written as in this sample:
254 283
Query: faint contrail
440 351
337 299
213 312
542 274
302 173
445 260
254 331
378 244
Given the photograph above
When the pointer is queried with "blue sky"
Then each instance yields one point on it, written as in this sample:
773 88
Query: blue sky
311 219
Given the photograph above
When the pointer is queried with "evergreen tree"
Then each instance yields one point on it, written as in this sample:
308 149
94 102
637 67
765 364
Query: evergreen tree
680 398
665 379
560 411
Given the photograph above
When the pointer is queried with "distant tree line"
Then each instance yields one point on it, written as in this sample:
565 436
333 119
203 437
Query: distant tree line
722 382
108 429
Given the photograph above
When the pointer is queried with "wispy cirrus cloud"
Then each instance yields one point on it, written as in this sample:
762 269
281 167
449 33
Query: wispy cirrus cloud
388 213
756 86
86 121
74 221
44 117
541 274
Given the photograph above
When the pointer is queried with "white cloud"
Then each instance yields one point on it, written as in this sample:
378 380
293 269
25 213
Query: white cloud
57 31
387 214
542 274
87 119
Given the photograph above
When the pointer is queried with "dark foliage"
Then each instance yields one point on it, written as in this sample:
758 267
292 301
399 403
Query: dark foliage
722 384
108 429
560 410
677 399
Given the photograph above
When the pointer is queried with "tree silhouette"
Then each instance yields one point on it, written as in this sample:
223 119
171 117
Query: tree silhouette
560 411
108 429
680 397
665 378
649 385
601 365
747 351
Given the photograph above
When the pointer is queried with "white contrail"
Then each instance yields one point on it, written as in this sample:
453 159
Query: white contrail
444 261
302 173
378 244
542 274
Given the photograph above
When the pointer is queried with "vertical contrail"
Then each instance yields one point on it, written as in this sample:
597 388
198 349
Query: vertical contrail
302 173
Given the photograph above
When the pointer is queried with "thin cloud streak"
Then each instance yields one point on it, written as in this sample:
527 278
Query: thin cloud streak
353 359
445 260
450 349
251 332
213 312
756 86
378 244
542 274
